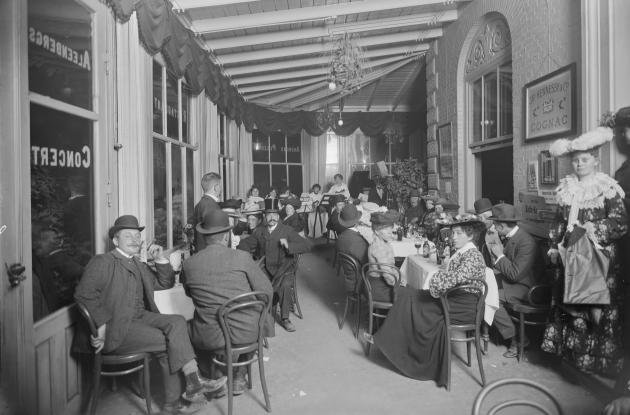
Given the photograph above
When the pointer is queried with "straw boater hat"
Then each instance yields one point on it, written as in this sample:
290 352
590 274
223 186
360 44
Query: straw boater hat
504 212
215 221
588 141
125 222
230 206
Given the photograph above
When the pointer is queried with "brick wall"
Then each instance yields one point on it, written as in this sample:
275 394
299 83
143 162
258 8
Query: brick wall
545 36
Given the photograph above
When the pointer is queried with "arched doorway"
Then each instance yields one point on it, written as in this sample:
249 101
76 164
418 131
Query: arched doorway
488 111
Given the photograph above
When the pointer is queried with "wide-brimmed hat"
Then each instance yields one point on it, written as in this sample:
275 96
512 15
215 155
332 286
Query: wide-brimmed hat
125 222
214 221
480 206
446 204
231 204
504 212
349 216
293 201
588 141
271 205
465 219
384 218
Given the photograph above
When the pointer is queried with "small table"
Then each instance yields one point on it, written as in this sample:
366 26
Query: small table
418 270
404 248
174 301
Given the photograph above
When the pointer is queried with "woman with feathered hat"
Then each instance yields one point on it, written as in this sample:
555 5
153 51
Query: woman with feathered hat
586 329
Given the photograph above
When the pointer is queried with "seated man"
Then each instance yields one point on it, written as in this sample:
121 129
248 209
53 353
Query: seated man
483 209
516 267
212 277
338 202
378 194
117 289
415 212
351 242
279 244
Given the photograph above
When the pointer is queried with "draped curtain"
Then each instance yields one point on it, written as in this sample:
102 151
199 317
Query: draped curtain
245 167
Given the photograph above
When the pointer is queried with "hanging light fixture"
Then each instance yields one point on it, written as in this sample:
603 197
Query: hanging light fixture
393 132
340 121
346 67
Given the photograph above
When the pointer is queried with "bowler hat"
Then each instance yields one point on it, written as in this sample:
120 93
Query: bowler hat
215 221
125 222
504 212
414 193
231 204
349 216
271 205
384 218
481 205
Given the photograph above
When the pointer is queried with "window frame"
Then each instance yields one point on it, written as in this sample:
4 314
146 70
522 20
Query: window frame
173 144
286 163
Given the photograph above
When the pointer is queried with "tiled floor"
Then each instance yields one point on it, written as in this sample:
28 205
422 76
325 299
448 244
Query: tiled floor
322 370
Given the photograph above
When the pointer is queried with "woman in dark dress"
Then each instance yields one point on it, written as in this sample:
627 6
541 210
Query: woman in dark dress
291 218
413 336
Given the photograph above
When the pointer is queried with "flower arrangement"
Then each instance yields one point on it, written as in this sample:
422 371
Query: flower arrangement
407 175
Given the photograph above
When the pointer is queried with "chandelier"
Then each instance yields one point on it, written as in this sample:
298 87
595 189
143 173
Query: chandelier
394 133
346 65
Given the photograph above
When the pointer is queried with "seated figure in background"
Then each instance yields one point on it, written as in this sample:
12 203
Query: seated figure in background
253 196
214 276
351 242
117 289
339 187
291 218
381 251
378 193
338 202
415 212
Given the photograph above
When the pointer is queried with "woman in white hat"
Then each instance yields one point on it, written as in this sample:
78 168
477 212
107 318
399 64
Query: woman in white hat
587 332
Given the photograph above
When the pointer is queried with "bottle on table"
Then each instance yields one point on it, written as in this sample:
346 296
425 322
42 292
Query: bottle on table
426 249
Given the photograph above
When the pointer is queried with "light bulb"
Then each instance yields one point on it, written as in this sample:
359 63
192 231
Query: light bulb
340 122
332 85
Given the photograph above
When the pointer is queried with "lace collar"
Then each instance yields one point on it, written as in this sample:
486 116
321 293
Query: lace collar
588 193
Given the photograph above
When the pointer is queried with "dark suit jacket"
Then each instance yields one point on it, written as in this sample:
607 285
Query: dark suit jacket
212 277
353 244
521 266
277 259
108 290
205 205
333 223
373 197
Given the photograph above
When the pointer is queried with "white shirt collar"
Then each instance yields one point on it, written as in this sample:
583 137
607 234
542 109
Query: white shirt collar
272 229
512 232
216 199
123 253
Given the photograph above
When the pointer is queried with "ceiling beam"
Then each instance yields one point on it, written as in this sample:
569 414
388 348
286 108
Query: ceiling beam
324 47
398 52
305 14
369 78
405 86
371 99
325 31
257 95
307 72
196 4
286 96
278 85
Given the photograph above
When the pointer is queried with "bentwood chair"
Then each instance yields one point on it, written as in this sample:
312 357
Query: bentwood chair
131 363
350 267
516 402
378 309
471 330
228 357
532 312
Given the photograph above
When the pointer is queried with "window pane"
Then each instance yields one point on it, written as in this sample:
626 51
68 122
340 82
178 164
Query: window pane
295 179
477 107
157 98
178 201
159 192
294 148
62 210
260 146
186 97
332 156
60 51
261 178
224 176
171 106
505 103
279 176
276 141
190 183
490 104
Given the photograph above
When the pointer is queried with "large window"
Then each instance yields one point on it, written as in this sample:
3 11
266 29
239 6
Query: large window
173 155
491 105
277 161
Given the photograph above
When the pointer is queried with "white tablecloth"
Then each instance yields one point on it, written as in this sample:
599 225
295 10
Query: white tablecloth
404 248
418 271
174 301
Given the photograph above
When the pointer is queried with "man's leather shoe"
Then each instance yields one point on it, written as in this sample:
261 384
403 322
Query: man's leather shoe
512 351
239 385
197 385
287 325
179 408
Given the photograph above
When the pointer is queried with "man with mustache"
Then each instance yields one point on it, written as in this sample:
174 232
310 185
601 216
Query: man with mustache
117 289
280 245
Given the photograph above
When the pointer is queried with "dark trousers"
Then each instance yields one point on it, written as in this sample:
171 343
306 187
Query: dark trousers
283 294
167 336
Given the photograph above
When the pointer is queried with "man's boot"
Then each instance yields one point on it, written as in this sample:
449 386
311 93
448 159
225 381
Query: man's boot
197 385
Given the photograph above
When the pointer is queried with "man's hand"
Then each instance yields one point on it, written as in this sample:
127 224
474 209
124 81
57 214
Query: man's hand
495 249
284 243
155 252
99 342
620 406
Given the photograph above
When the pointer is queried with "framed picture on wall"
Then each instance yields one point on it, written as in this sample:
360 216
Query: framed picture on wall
548 168
549 105
445 151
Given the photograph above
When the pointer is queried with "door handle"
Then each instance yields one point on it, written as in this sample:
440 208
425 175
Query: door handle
15 273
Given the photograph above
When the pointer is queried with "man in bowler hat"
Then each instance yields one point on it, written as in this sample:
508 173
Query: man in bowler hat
117 289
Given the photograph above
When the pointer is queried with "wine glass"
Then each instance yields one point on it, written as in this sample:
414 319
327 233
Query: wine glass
418 244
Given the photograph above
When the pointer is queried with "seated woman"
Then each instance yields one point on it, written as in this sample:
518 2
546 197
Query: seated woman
413 336
381 251
273 194
291 217
253 196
